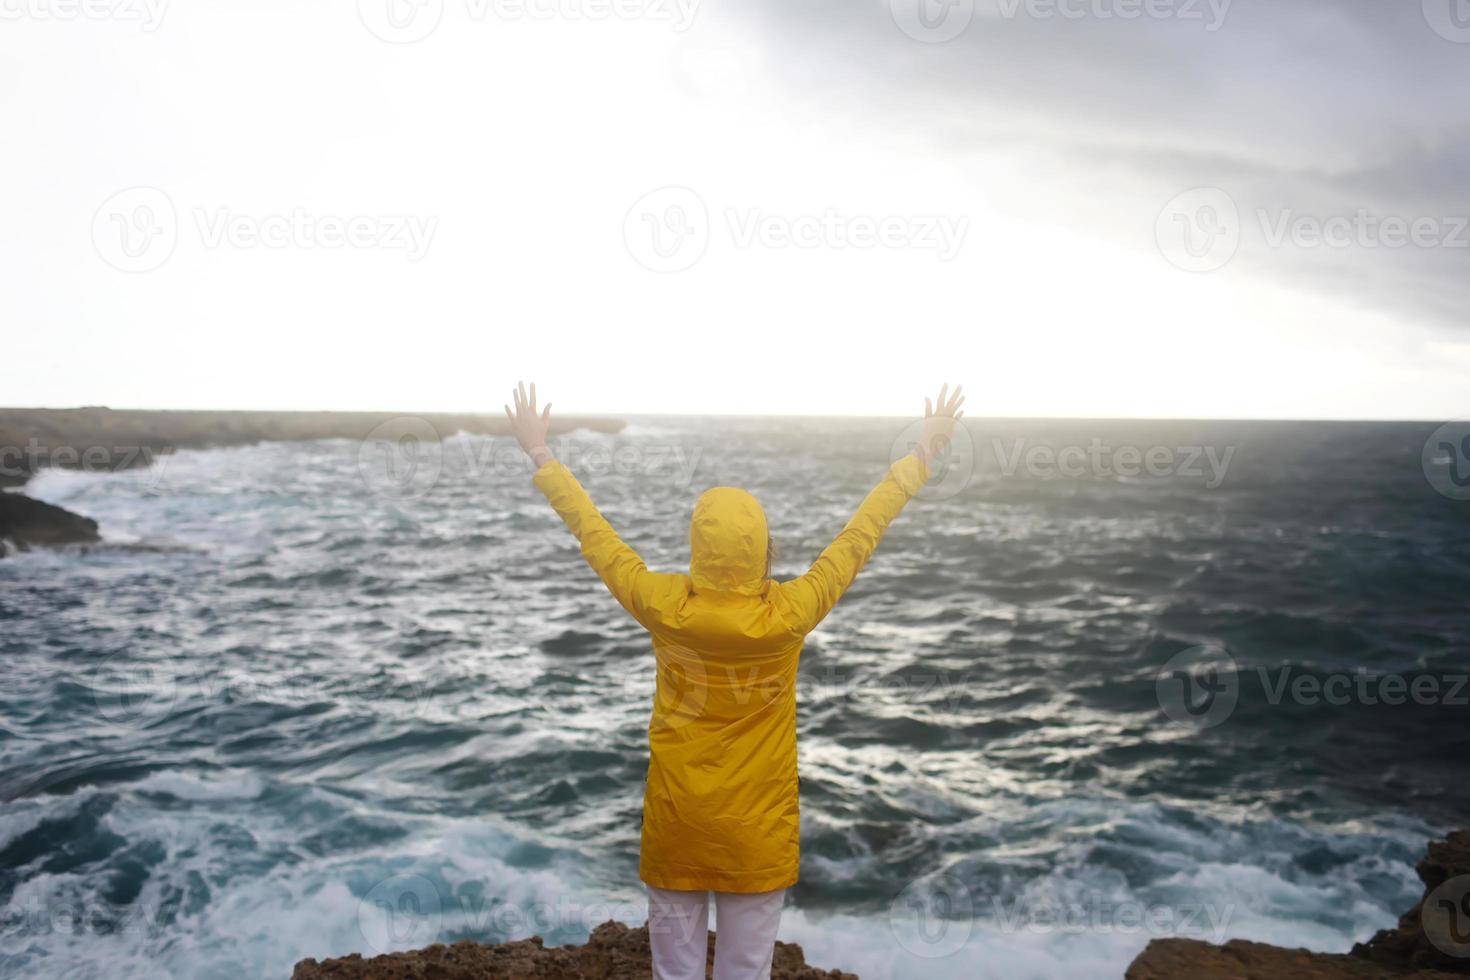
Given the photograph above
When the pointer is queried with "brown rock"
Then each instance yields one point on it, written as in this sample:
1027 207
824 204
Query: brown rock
1403 952
1172 959
1406 945
613 952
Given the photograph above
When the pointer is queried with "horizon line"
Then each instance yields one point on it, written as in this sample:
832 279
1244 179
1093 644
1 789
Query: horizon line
737 415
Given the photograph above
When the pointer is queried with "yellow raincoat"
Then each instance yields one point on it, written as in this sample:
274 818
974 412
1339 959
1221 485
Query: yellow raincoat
720 808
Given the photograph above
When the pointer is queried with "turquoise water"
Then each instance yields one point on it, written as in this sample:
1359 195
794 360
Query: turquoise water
319 698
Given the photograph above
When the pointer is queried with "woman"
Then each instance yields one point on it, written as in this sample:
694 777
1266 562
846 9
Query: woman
720 806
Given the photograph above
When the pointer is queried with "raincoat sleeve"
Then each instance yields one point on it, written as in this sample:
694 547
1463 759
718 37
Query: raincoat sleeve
618 565
813 595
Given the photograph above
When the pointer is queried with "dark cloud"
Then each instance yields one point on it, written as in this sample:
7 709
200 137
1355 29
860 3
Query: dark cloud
1309 108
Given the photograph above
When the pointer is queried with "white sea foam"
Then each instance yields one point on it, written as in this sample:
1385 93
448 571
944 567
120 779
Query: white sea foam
184 786
255 901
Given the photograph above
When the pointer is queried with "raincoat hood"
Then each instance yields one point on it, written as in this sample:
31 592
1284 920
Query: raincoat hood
727 543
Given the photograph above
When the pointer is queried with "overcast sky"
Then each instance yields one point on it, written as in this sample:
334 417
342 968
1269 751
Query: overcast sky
1076 207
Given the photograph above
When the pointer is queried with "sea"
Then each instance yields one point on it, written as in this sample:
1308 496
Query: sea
1103 682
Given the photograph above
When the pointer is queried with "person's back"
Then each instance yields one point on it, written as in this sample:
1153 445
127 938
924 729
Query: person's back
720 809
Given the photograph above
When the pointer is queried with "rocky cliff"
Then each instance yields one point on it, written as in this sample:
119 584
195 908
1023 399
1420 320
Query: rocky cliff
614 952
1410 951
1430 942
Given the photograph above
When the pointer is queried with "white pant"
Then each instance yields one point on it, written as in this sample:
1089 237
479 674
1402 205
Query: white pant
745 927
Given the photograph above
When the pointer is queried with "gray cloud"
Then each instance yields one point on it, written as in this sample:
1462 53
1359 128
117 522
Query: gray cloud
1309 109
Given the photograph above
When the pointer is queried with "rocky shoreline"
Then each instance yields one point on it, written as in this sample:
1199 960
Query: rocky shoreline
617 952
103 440
613 952
1405 952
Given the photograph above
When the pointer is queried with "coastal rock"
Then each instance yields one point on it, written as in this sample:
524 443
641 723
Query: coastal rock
1406 945
98 439
27 523
103 440
613 952
1402 952
1171 959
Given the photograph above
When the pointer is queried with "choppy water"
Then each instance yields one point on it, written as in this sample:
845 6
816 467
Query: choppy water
302 704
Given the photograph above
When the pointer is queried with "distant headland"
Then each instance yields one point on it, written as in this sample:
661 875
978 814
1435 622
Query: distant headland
100 439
